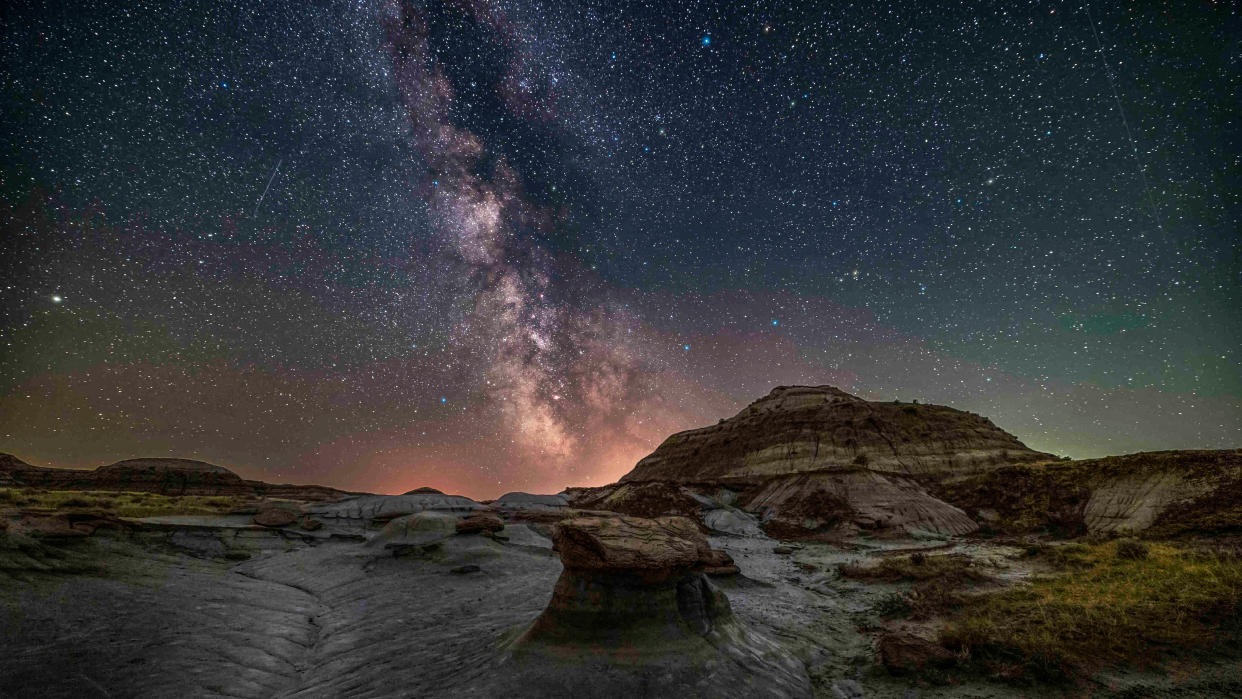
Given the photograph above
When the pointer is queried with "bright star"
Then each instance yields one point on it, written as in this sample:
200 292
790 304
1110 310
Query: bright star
57 299
686 347
707 40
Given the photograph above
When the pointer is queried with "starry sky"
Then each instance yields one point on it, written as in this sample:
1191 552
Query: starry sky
491 246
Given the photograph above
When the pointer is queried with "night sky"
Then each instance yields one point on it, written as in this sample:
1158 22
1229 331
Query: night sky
499 246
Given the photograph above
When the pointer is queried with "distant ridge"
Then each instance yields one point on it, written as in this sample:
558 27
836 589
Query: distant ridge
166 476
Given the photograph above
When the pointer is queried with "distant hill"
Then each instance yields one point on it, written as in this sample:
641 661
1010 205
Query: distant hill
156 475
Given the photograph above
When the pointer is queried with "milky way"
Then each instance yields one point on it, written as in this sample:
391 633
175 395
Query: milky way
513 245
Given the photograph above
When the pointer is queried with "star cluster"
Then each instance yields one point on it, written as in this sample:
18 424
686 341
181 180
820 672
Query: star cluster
492 245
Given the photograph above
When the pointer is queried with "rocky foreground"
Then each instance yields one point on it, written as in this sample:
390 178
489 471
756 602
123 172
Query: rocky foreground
816 545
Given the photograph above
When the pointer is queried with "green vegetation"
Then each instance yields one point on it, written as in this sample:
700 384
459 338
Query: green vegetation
1107 605
120 503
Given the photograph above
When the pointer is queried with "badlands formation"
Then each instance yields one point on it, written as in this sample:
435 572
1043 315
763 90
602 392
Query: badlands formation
814 545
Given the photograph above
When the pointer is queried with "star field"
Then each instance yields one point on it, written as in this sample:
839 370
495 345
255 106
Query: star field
488 246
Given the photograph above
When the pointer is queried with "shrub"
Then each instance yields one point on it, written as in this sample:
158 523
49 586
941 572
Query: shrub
1131 549
862 460
894 606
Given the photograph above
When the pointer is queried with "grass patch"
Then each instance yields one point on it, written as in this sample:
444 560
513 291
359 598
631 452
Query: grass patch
122 504
916 567
1106 606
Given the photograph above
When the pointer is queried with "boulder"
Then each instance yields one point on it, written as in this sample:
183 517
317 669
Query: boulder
416 530
276 516
732 521
423 491
479 523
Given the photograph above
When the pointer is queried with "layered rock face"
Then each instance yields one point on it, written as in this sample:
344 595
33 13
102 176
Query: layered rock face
805 460
798 429
632 614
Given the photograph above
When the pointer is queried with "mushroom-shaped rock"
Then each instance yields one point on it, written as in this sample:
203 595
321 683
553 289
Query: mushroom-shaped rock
480 522
633 615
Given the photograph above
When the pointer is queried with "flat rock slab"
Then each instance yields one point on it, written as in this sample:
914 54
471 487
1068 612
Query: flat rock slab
325 621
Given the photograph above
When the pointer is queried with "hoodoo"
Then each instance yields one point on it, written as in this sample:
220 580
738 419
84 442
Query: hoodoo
633 615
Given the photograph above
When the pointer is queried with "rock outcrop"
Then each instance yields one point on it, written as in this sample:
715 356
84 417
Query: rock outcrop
367 511
632 614
1163 493
813 460
800 429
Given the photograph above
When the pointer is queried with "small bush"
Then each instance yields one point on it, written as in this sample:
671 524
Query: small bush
76 502
862 460
894 606
1131 549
